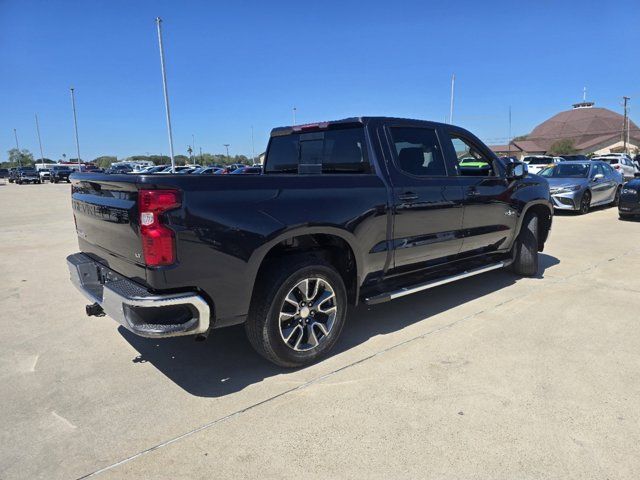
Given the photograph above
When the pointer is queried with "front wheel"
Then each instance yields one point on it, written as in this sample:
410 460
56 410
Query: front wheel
585 203
616 197
297 312
525 249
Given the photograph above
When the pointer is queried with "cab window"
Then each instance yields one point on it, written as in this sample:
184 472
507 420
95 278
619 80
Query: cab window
418 151
470 160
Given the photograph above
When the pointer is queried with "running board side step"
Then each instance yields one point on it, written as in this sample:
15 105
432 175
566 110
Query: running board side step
385 297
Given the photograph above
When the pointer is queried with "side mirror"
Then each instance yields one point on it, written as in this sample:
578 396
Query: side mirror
598 176
637 174
516 170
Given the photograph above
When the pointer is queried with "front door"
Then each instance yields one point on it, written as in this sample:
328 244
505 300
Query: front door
489 218
427 200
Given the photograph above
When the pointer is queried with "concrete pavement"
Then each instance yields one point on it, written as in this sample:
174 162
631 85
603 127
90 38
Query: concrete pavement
492 377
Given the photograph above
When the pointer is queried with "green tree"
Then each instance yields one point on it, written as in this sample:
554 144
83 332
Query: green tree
105 161
566 146
19 157
520 137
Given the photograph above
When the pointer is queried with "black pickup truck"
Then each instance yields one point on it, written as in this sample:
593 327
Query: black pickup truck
358 210
60 173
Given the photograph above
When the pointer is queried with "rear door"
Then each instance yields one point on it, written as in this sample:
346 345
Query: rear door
426 199
602 189
489 219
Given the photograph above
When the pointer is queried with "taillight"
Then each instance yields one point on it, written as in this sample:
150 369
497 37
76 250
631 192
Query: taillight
158 241
616 166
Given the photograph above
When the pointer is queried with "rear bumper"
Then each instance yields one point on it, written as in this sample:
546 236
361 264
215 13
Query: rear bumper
134 307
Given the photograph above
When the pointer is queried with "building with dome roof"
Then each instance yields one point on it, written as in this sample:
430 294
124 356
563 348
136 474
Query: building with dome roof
590 129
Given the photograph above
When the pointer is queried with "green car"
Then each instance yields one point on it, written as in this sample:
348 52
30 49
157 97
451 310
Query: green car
470 162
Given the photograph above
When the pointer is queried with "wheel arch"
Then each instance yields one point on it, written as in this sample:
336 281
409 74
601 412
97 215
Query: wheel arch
337 247
544 211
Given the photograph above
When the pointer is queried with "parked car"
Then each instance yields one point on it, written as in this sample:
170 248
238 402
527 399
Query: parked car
629 206
60 173
4 173
207 170
231 168
622 163
580 158
154 169
119 169
177 169
15 174
247 171
45 174
27 175
384 212
581 185
537 163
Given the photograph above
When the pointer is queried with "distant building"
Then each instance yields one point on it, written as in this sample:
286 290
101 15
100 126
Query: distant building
591 129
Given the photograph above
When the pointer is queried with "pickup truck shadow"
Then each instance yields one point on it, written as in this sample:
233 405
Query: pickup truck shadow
226 363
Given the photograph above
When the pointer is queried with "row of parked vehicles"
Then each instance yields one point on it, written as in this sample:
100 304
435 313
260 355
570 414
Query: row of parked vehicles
53 174
621 162
136 168
579 183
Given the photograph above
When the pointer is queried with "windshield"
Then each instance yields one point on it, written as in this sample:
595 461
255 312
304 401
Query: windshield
568 170
538 160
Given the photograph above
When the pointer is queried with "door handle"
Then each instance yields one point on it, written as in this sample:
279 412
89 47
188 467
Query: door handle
472 192
408 197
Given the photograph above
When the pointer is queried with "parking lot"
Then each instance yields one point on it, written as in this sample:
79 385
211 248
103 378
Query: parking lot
493 377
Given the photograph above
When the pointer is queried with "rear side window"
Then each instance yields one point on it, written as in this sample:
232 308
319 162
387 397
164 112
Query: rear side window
418 151
332 151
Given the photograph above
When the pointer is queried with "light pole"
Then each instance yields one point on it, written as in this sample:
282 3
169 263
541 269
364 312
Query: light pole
253 149
166 93
226 145
294 115
75 123
453 84
39 141
15 134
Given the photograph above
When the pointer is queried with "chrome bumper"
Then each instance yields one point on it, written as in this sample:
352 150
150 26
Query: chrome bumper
133 306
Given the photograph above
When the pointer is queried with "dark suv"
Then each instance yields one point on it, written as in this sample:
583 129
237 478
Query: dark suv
27 175
60 173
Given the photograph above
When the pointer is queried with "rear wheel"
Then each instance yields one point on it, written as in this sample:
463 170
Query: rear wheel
625 216
585 203
298 311
525 249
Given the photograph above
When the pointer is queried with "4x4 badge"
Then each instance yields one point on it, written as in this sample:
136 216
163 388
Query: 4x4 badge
510 213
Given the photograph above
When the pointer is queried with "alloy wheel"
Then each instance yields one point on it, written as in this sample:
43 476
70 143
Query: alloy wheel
308 314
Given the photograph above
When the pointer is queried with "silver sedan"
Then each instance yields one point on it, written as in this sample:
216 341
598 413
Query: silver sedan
581 185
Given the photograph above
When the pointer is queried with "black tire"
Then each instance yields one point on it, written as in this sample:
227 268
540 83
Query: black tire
263 325
18 182
585 203
525 249
54 181
616 197
625 216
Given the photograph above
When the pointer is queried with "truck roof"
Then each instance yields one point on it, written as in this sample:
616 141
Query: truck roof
351 121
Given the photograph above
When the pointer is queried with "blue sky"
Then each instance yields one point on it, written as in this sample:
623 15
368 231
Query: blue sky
235 64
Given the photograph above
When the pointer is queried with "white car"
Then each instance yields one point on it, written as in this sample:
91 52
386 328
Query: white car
537 163
620 162
45 174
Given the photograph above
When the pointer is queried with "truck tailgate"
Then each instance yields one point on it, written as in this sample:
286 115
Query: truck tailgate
106 216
